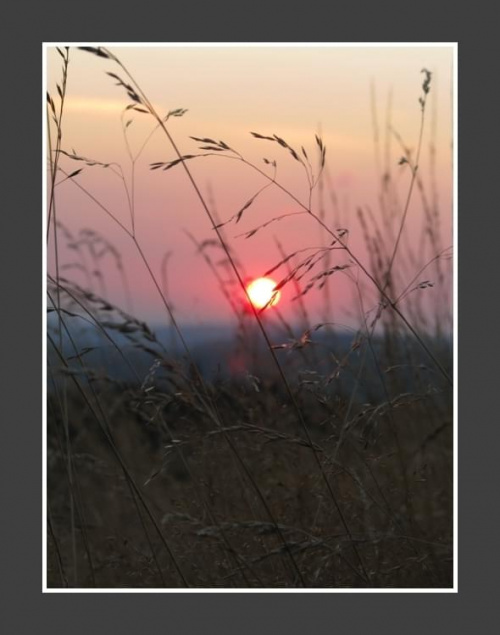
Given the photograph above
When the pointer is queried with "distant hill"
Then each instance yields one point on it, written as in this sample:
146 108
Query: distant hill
134 354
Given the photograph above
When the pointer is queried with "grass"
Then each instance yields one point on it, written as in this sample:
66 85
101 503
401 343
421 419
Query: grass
328 464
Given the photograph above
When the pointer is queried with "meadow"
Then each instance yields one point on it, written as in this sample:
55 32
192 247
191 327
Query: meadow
297 453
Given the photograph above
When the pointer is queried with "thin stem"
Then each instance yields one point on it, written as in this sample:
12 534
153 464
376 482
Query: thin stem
414 169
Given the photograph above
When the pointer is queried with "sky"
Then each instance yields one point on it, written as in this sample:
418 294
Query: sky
362 101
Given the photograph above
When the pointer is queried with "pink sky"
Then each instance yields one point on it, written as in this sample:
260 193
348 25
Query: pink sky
291 91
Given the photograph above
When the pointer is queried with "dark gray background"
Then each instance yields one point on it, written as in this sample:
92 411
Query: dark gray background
24 609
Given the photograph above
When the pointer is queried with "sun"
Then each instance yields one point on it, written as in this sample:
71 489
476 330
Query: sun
262 294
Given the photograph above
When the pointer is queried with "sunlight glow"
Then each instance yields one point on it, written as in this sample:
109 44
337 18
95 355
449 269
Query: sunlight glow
262 294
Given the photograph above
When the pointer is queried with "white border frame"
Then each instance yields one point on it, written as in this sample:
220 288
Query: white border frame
454 47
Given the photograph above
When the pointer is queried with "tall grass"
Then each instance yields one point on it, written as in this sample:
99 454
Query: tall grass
328 464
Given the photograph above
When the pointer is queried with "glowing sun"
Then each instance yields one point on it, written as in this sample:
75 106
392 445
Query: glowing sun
262 294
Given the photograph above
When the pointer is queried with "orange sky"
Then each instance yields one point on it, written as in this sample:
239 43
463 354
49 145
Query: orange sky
292 91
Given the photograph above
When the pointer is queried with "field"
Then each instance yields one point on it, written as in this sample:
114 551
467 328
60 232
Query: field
290 453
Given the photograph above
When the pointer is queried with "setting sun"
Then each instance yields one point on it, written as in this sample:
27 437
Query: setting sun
262 294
